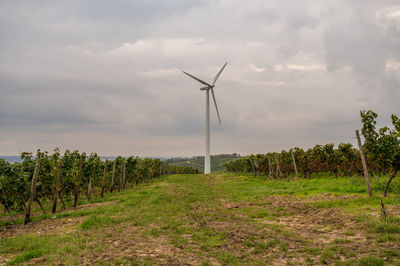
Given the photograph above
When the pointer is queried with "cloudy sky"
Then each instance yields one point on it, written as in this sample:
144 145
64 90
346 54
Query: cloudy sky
106 76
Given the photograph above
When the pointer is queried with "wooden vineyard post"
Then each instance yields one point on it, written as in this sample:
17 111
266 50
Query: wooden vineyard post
294 165
269 166
113 176
104 178
56 190
78 182
32 194
364 163
124 174
120 179
252 166
278 169
89 190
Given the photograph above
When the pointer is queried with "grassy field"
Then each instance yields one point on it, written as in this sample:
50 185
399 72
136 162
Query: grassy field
218 219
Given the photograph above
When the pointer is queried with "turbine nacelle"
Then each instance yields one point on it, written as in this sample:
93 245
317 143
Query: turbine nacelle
207 87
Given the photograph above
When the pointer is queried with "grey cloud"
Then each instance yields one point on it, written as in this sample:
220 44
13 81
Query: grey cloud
28 24
106 76
367 41
359 44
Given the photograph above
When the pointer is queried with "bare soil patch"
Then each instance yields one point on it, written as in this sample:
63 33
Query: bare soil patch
127 243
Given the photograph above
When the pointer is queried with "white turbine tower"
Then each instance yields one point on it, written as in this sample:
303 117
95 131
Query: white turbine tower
207 88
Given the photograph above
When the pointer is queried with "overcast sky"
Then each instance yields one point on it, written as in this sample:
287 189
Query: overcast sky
106 76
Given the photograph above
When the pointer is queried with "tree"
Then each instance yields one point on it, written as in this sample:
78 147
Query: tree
382 145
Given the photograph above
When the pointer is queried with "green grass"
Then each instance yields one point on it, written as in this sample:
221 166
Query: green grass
372 261
96 221
26 256
219 218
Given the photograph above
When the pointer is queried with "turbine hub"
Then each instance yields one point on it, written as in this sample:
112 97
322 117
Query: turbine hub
206 87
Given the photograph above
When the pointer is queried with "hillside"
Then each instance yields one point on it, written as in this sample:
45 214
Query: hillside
197 162
216 219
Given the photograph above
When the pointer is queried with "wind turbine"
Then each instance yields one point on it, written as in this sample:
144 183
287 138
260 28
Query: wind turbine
207 88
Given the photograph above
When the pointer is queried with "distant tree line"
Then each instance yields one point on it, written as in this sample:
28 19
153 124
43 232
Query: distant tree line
222 156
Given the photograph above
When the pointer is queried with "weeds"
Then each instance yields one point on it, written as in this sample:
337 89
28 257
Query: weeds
384 212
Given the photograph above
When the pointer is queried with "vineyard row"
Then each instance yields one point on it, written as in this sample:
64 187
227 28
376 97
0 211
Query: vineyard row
381 149
54 177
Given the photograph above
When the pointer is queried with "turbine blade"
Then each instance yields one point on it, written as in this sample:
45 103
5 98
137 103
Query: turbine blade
216 107
219 73
199 80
